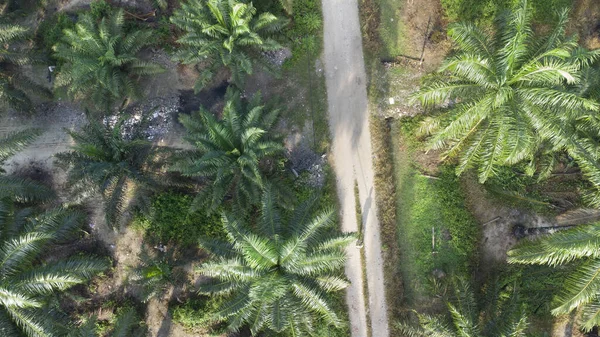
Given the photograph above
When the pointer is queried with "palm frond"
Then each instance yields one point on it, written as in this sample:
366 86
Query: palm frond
17 141
559 248
102 68
229 152
508 95
274 277
27 278
226 32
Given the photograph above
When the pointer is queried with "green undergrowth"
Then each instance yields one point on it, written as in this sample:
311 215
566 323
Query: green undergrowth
312 110
305 32
391 29
484 11
537 287
196 315
304 36
50 32
170 220
435 231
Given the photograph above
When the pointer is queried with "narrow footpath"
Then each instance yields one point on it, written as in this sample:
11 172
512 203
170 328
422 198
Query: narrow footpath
352 161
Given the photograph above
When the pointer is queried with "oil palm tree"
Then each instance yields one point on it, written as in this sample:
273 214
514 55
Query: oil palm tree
507 97
501 316
15 88
582 287
224 33
229 151
27 276
15 188
101 63
126 323
274 274
104 160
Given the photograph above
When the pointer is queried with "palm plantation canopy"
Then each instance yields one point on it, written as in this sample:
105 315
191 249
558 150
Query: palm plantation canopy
582 288
510 97
229 151
275 274
103 160
101 63
26 279
278 272
15 88
224 33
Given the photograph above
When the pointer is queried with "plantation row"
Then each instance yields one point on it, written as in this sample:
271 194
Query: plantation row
275 255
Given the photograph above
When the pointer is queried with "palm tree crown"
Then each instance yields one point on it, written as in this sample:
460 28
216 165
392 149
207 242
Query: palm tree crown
509 96
104 160
101 63
275 275
582 288
229 151
14 87
500 317
224 33
24 281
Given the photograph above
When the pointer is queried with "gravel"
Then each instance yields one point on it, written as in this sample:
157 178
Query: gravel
277 57
153 118
307 165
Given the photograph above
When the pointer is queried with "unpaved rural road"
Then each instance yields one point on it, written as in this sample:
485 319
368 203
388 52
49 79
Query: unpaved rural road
351 149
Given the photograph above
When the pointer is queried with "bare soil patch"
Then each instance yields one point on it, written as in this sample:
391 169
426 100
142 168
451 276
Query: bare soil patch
425 32
406 45
585 21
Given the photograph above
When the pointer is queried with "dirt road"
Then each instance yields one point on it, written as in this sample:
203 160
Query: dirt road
351 147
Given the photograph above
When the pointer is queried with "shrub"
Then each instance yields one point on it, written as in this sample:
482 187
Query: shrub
198 314
422 204
306 30
50 31
100 9
537 286
171 220
460 223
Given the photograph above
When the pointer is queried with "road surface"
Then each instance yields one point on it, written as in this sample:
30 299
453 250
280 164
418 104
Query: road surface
352 160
